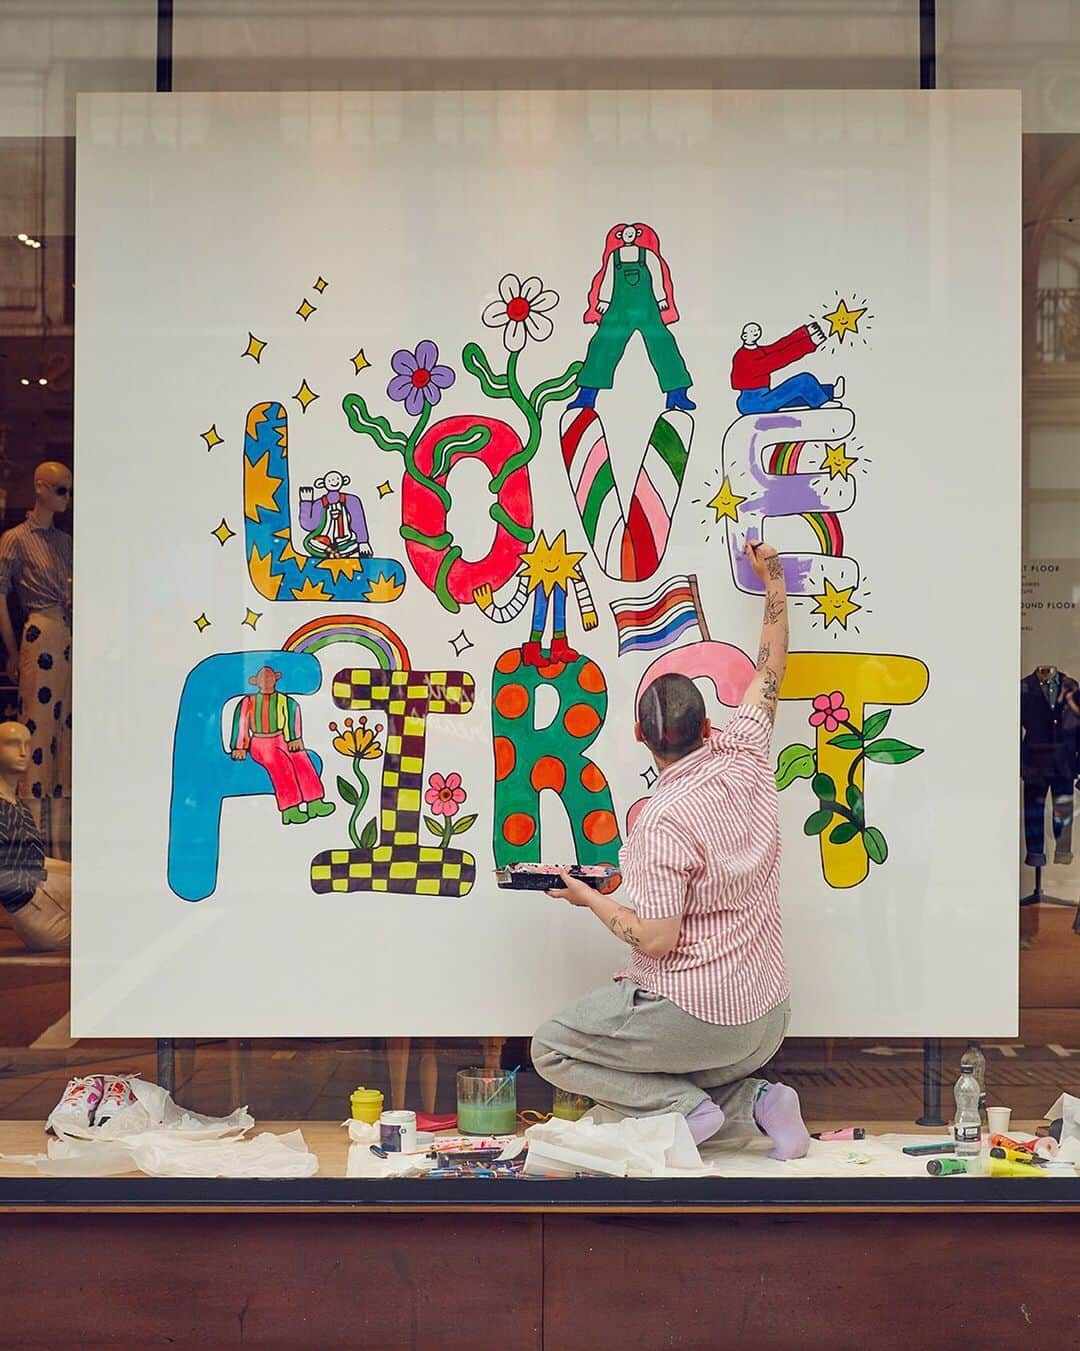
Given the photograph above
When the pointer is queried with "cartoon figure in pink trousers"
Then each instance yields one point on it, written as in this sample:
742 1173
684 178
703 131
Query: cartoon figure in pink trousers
267 724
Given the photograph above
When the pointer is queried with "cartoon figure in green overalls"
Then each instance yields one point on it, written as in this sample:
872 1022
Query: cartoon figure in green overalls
632 293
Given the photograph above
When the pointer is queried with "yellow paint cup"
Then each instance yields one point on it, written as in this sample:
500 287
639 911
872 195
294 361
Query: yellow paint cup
367 1104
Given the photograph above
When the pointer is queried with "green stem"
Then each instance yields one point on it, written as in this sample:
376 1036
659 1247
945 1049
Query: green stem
448 830
841 811
365 789
532 444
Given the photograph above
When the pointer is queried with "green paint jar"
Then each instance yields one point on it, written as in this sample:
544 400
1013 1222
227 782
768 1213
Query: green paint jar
487 1102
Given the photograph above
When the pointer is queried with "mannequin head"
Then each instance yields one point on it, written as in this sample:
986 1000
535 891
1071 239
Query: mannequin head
52 486
14 749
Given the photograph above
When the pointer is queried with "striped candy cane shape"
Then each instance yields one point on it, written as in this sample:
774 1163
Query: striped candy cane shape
757 493
628 546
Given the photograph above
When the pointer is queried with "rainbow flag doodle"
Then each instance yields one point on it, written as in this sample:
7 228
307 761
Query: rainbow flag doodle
646 623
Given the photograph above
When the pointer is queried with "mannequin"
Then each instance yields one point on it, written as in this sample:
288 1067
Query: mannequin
35 562
34 889
1049 708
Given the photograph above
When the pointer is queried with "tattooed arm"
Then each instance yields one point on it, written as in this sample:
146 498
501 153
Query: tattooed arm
656 937
764 689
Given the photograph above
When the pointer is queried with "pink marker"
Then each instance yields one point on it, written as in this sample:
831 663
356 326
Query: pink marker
845 1133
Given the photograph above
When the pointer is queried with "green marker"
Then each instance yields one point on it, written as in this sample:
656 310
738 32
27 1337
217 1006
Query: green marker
945 1167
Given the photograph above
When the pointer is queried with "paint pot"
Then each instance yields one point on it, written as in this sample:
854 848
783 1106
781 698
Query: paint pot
366 1104
569 1106
397 1132
487 1102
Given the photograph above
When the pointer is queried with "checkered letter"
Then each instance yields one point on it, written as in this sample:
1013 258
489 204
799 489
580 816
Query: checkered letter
400 862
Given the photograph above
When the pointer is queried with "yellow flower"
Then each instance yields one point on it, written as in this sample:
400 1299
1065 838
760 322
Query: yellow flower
357 740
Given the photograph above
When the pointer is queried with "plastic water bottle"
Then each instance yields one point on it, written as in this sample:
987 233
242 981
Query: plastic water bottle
967 1125
973 1052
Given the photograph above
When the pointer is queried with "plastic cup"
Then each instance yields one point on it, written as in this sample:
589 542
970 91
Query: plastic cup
569 1106
998 1120
486 1102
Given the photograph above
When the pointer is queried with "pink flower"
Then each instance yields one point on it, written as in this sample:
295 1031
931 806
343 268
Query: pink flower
829 711
444 796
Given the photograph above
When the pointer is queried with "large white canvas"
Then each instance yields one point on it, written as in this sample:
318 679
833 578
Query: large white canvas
206 220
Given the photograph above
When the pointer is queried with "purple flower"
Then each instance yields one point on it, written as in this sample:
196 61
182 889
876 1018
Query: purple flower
418 377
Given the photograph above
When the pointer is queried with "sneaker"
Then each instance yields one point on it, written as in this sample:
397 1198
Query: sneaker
77 1107
116 1096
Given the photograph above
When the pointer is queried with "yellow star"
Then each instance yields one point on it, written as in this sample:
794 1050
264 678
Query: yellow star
726 502
837 461
305 395
383 589
223 534
306 311
264 579
360 361
321 284
338 567
311 591
842 320
836 606
550 565
260 489
211 438
384 489
251 618
255 347
288 553
202 622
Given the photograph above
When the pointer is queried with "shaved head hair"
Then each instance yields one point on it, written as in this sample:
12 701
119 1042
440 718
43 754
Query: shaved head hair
672 716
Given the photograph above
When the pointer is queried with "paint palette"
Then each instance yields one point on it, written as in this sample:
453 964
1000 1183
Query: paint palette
543 876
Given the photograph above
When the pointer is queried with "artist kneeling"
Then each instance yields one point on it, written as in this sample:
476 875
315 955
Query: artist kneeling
704 999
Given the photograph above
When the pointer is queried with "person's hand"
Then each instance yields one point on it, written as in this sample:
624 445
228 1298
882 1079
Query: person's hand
817 333
764 560
574 890
296 745
364 549
307 494
239 753
482 596
589 620
661 302
601 306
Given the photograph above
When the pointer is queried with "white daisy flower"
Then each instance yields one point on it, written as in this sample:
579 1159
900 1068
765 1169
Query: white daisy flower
520 311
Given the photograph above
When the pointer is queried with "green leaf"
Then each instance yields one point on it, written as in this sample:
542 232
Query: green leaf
794 762
347 791
369 424
433 826
846 742
889 752
844 833
874 726
817 822
876 848
369 835
854 799
461 826
824 787
475 361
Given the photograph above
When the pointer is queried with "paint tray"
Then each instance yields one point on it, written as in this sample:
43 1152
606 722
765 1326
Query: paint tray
544 876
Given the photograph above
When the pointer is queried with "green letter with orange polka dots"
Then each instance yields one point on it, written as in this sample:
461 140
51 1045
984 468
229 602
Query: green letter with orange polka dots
529 759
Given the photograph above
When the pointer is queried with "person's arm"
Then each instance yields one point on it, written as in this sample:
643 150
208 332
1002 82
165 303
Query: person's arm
293 726
655 937
241 734
764 690
7 636
607 285
657 277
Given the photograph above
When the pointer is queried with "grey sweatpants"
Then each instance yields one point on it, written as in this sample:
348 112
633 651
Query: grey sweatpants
641 1054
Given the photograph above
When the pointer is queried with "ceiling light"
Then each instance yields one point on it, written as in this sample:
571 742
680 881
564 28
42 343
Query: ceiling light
42 380
24 381
22 237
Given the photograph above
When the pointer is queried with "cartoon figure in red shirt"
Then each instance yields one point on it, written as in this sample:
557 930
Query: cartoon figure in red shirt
753 364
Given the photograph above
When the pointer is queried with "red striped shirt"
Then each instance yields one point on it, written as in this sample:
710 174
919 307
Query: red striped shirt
707 847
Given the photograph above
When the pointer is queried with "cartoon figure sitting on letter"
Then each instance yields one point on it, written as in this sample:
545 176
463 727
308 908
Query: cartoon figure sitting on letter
754 362
632 293
335 522
267 724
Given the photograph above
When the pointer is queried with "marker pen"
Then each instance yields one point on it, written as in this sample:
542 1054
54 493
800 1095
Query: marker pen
946 1167
844 1133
